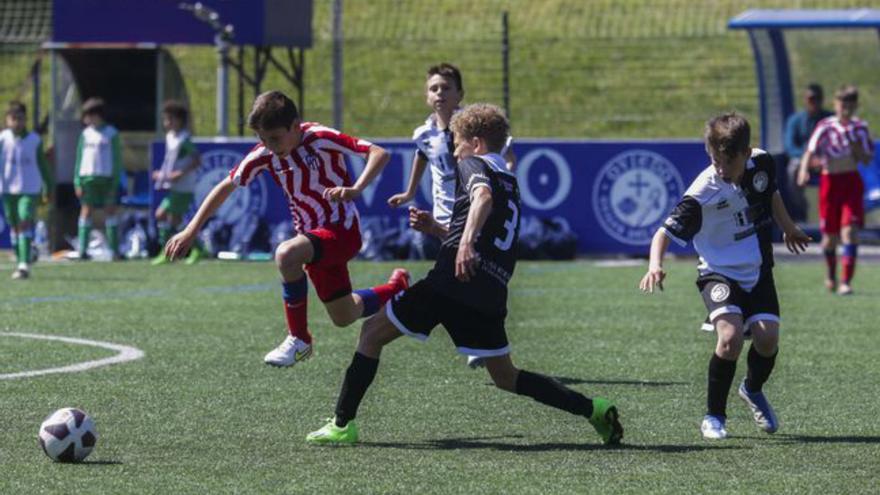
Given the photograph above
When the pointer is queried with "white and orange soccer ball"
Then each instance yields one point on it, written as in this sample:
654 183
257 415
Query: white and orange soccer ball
68 435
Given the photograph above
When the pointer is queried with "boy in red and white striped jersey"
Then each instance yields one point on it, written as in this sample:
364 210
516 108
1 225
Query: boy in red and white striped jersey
837 146
306 161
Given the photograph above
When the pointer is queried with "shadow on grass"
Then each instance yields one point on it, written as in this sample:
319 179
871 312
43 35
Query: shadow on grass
99 462
565 380
497 443
640 383
788 438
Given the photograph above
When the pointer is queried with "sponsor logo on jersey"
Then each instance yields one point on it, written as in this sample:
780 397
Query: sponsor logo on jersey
312 162
760 181
216 165
719 293
633 193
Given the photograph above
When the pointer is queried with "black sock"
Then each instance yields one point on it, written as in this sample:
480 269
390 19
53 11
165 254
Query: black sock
548 391
721 373
760 368
358 378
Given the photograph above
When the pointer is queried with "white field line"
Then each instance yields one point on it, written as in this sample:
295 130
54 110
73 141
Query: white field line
125 353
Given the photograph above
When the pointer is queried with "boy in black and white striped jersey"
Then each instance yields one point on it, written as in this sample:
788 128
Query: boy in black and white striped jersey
728 212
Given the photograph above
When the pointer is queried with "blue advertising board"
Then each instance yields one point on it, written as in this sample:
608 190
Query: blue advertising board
612 194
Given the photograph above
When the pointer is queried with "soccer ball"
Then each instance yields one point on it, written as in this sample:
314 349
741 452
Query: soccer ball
68 435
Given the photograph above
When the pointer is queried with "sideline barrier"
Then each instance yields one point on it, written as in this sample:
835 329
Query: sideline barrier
613 194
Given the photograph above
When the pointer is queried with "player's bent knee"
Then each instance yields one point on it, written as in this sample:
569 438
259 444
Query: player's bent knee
503 372
290 254
376 332
341 320
730 338
765 336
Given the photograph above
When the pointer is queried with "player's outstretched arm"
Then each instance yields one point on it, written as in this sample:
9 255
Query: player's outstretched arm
656 274
795 239
377 158
179 244
467 258
419 164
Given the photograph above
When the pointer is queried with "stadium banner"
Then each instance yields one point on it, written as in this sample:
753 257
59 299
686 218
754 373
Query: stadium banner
612 194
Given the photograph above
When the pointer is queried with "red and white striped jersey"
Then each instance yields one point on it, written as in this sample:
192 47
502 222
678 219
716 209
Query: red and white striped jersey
832 139
313 166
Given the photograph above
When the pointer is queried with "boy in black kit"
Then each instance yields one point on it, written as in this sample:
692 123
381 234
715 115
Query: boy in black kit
466 291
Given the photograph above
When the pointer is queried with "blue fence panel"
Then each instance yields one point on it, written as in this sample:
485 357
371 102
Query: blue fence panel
613 194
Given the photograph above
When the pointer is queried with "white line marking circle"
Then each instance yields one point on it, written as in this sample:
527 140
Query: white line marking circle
126 353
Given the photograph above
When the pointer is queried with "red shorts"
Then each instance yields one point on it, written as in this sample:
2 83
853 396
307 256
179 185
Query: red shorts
840 201
334 246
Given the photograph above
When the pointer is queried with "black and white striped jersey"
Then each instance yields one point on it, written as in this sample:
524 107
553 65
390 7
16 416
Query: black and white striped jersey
729 224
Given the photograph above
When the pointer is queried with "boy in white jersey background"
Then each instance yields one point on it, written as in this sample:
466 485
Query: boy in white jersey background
444 91
306 160
728 212
97 174
24 173
177 176
837 146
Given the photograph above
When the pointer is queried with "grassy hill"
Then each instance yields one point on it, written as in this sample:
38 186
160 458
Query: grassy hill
598 68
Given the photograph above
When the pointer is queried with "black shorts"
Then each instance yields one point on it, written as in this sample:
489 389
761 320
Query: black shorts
722 295
417 310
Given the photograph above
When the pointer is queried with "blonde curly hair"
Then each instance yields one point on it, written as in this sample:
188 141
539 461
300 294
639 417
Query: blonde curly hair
482 120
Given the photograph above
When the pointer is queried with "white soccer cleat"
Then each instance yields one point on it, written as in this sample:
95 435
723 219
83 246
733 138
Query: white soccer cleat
713 428
475 362
291 351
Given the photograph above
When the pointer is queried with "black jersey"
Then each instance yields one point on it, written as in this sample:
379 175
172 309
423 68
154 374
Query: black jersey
729 224
495 244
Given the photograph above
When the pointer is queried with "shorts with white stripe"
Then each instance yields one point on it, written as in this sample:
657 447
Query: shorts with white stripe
722 295
419 309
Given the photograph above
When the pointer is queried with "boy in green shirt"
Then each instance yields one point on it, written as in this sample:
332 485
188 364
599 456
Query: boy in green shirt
177 176
96 179
24 172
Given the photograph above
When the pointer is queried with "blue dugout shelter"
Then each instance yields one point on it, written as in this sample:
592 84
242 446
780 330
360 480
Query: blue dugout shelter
766 33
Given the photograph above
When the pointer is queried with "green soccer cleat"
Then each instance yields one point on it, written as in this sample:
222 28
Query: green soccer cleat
195 254
606 421
159 260
330 434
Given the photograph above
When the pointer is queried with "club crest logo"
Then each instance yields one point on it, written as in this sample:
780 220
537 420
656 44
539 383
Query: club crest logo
632 194
719 293
216 165
760 181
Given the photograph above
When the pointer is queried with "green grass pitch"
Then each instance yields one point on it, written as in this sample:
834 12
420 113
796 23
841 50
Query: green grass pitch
201 413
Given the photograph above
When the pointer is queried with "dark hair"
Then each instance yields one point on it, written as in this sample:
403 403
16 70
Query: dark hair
271 110
177 110
847 93
728 134
482 120
94 106
816 90
448 71
16 106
